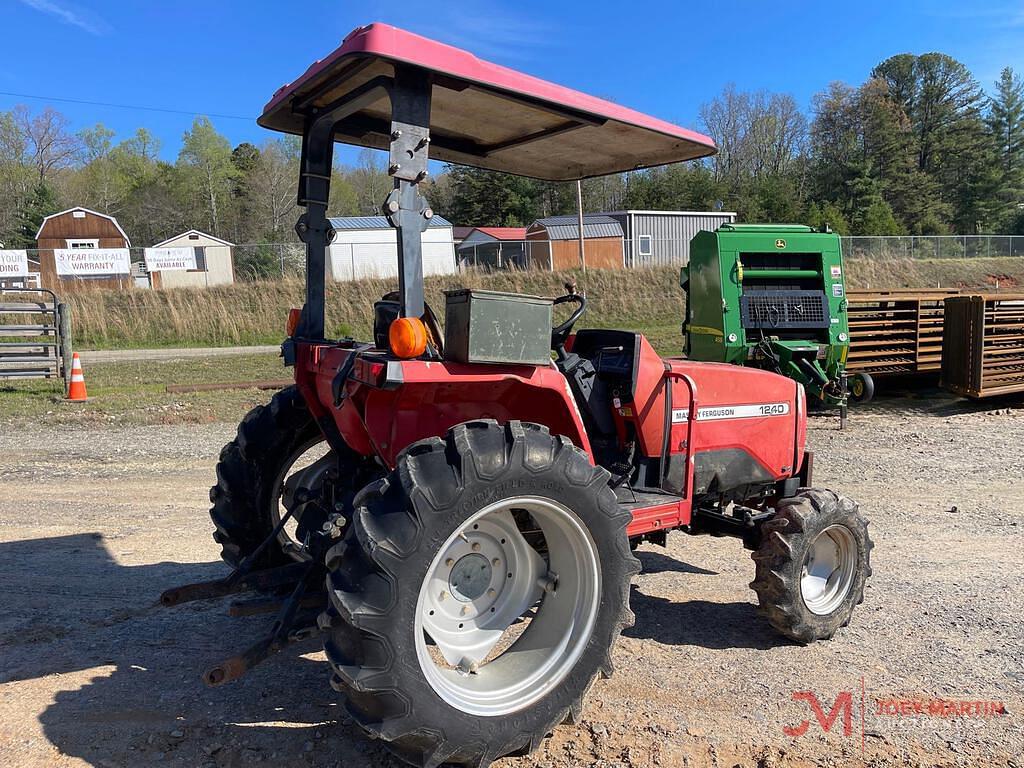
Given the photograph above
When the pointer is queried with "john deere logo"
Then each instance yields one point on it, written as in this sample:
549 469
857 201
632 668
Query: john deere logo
780 243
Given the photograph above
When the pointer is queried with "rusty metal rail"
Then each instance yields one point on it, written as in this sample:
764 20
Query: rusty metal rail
983 345
896 332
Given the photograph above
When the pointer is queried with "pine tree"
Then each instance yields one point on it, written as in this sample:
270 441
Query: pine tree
1005 122
878 219
870 214
40 203
827 214
942 103
490 199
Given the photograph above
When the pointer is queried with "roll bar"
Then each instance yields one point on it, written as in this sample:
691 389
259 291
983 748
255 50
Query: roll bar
406 209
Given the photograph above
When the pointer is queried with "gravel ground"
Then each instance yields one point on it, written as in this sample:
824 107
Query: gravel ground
95 523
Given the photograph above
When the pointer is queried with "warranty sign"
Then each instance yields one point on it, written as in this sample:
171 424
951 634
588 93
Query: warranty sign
92 262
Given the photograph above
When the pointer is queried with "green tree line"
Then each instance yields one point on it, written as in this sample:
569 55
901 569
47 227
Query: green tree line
245 194
918 148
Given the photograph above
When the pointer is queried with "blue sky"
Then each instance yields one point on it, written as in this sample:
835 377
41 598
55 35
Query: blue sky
227 58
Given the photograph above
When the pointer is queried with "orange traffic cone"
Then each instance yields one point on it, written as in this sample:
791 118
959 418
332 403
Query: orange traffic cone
76 389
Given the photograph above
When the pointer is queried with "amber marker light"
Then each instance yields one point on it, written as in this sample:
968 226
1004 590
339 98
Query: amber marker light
294 315
407 337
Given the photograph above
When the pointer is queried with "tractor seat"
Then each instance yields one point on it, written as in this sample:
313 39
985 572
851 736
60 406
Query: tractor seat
599 360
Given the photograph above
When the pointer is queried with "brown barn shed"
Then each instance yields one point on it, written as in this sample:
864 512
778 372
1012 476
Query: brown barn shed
554 242
79 230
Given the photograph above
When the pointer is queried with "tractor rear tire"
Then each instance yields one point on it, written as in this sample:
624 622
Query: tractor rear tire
812 564
251 474
432 516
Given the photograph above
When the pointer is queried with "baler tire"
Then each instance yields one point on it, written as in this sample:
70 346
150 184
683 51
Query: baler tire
246 473
780 559
866 390
400 530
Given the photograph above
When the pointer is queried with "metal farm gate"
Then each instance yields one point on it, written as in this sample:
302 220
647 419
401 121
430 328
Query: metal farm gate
896 332
35 335
984 345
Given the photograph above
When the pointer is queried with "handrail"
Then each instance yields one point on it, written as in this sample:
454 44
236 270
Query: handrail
691 416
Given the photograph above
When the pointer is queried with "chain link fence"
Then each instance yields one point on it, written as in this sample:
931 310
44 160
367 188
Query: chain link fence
933 247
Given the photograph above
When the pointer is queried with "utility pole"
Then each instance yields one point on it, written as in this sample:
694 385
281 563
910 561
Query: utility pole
579 210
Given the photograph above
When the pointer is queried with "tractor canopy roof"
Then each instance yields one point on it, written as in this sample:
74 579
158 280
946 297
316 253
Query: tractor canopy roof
483 114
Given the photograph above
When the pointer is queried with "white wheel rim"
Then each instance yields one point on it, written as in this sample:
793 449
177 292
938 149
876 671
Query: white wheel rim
301 459
827 574
472 609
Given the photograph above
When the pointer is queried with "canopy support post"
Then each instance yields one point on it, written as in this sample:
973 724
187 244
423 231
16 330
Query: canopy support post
405 207
315 169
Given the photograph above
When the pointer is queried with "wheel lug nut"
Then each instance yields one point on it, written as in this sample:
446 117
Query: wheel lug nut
476 546
464 611
495 562
443 595
449 562
491 592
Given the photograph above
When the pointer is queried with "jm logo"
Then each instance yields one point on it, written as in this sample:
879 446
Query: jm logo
843 706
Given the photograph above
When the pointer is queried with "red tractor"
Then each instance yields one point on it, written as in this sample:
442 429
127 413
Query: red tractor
463 544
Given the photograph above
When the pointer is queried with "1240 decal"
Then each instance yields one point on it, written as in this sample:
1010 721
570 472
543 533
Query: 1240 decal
713 412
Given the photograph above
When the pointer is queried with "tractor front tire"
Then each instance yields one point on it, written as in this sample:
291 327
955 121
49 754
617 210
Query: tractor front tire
812 563
493 524
250 477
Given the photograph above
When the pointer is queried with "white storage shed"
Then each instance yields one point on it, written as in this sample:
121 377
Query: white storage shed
367 246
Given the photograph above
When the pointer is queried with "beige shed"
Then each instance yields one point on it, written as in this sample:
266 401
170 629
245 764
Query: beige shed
214 262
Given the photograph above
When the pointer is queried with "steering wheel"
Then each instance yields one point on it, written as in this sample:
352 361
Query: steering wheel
560 333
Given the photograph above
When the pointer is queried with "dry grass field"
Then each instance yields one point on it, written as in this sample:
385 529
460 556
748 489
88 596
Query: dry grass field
645 299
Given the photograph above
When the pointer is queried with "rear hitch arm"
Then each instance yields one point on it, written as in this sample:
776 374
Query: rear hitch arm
282 633
240 579
236 582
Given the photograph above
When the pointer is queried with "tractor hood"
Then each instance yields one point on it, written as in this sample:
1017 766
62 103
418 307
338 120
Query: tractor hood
482 114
